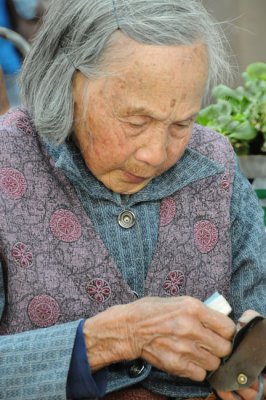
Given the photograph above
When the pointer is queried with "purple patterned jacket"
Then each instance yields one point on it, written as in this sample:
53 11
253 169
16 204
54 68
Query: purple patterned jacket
56 267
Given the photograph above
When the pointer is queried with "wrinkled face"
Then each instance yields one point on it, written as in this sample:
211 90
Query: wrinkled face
137 123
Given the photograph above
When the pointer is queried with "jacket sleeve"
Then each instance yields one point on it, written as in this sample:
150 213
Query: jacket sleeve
248 284
82 383
34 365
49 363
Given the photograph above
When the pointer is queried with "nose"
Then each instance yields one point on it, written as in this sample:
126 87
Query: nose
153 152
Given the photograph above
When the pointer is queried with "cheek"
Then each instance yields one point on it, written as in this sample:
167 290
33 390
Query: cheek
175 151
107 152
177 147
184 143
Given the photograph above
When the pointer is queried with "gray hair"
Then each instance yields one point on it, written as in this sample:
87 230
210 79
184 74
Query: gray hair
76 35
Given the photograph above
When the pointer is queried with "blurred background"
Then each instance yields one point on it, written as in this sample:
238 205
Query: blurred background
245 28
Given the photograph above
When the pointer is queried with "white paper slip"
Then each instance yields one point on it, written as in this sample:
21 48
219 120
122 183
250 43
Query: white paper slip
217 302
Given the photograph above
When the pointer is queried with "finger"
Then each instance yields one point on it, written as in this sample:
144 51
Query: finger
187 369
181 359
228 395
260 386
213 343
255 385
170 363
192 328
204 359
218 323
194 353
194 372
174 358
250 393
247 393
247 316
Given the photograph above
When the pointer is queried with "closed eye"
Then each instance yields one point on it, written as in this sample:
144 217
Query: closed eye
136 124
137 121
184 124
180 130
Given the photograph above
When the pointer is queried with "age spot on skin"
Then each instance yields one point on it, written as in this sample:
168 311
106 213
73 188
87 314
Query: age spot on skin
173 103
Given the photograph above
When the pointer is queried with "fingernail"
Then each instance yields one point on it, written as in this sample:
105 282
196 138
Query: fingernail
248 316
244 319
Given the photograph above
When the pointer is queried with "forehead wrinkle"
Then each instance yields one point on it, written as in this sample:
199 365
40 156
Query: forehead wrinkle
144 110
130 91
123 103
126 105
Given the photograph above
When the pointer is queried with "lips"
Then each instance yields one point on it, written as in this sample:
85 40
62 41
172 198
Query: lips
134 178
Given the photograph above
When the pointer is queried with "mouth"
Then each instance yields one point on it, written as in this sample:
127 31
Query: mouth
134 178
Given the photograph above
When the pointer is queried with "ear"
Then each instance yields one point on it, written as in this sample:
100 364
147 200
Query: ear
78 85
80 94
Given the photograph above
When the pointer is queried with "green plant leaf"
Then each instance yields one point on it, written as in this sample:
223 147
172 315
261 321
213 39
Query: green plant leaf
244 131
210 115
257 71
240 113
231 126
224 92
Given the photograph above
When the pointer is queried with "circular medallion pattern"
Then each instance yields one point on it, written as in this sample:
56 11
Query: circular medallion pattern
65 226
174 281
21 254
167 211
98 290
12 183
43 311
206 236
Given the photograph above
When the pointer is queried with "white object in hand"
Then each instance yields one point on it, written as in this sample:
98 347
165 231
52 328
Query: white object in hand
219 303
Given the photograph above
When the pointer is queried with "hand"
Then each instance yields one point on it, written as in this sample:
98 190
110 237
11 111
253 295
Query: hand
246 317
245 394
179 335
251 392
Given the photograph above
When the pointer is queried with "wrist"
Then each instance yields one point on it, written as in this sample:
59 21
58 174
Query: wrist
108 338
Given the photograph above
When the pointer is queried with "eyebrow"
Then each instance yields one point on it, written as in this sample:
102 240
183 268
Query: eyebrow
147 112
192 116
138 110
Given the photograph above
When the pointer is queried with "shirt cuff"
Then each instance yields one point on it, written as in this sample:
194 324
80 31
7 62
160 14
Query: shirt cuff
81 383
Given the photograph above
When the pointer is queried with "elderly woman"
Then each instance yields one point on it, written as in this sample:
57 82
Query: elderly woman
119 215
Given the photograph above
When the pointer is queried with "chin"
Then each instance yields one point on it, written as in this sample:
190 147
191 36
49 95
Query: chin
122 187
127 190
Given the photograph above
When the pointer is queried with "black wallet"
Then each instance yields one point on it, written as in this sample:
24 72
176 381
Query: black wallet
246 361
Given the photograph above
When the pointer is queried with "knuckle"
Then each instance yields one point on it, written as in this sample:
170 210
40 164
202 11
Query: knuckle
215 364
226 349
199 374
184 328
193 371
230 330
193 306
202 376
186 369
